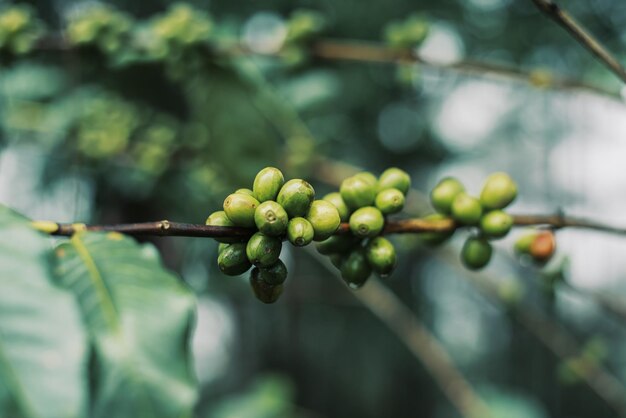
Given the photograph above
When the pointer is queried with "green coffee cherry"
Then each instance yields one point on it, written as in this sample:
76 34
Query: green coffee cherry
444 193
496 224
435 238
523 243
274 274
325 219
337 244
476 253
336 199
263 250
265 292
396 179
271 219
355 270
300 232
368 177
498 192
357 192
246 191
296 197
267 184
240 209
220 218
367 222
390 201
337 260
222 247
466 209
381 255
233 260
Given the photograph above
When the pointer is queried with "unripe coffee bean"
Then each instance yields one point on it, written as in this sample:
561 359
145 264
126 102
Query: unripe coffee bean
265 292
300 232
240 209
381 255
368 177
296 197
357 192
222 247
355 269
246 191
325 219
337 201
233 261
267 184
523 243
436 238
220 218
496 224
274 274
367 222
263 250
337 260
466 209
390 201
396 179
498 191
271 219
337 244
476 253
444 193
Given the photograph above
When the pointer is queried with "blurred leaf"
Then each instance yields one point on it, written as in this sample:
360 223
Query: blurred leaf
139 318
42 344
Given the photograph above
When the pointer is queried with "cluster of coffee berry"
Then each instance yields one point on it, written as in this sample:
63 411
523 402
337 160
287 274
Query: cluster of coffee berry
449 198
363 201
278 210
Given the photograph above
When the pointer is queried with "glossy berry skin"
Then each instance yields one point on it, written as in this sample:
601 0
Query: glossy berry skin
336 199
381 255
355 270
296 197
390 201
246 191
325 219
357 192
543 246
466 209
395 178
496 224
368 177
498 191
222 247
337 244
271 219
300 232
367 222
233 261
436 238
267 184
265 292
444 193
240 209
220 218
274 274
476 253
263 250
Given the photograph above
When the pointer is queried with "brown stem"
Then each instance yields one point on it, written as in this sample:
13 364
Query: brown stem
403 226
563 18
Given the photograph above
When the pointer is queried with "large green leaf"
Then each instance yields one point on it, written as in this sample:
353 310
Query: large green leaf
139 318
42 343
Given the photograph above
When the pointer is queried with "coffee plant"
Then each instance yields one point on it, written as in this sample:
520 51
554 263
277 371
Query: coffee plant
139 112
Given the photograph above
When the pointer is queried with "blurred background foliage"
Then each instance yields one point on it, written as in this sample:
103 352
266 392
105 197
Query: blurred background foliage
136 111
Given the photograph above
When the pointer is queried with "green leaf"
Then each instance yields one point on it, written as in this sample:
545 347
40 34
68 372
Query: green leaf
139 317
42 344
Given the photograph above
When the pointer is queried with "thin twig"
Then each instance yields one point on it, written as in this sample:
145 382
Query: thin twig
384 304
563 18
